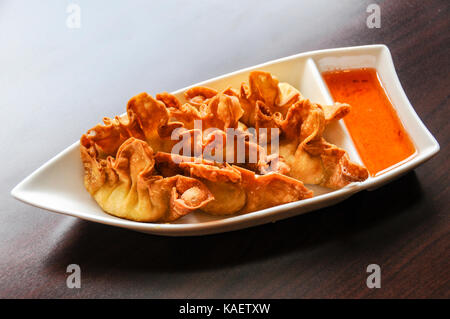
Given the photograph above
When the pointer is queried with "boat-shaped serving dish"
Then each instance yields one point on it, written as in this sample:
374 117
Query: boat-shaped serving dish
58 185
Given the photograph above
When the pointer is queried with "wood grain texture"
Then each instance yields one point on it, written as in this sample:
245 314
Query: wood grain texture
56 83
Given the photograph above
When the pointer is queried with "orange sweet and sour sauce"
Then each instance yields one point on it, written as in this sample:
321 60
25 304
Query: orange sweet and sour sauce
373 124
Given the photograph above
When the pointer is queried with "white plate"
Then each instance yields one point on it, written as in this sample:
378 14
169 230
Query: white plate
58 184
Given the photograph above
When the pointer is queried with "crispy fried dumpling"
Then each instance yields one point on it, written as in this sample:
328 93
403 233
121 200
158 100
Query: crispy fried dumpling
185 113
152 118
222 180
253 192
308 157
147 119
267 90
235 189
264 191
325 164
127 186
215 109
199 95
156 164
222 111
268 103
312 159
335 111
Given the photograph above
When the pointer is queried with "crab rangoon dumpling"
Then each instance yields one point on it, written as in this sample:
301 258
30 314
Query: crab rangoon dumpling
144 165
126 186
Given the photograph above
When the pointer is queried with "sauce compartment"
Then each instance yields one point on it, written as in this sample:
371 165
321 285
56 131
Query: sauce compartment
419 141
375 128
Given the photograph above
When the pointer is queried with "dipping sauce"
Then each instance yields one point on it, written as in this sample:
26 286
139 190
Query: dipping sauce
373 124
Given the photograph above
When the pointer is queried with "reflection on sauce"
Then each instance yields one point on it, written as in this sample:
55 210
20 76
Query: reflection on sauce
373 124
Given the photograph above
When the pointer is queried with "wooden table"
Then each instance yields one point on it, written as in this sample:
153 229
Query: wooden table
56 82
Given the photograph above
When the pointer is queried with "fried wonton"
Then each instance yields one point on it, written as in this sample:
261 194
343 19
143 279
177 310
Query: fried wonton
146 119
270 105
265 89
127 186
214 109
312 159
223 152
235 189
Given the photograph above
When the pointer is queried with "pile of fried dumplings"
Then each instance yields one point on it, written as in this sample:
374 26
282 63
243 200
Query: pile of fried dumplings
132 171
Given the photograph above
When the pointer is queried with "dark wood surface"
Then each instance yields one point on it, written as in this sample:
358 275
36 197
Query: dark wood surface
57 82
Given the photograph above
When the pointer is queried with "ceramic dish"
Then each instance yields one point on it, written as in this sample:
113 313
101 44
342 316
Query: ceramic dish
47 187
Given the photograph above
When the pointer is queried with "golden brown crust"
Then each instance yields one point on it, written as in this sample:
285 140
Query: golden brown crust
199 95
235 189
131 173
127 186
336 111
264 191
